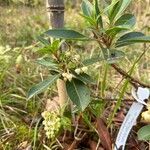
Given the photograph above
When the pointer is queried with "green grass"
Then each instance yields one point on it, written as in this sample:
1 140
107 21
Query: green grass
20 25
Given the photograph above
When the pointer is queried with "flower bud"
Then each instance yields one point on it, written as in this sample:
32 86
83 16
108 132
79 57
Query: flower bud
44 114
78 70
77 57
64 74
51 124
69 77
48 134
84 69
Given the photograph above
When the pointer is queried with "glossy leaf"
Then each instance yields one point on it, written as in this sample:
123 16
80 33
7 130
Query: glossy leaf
145 39
65 34
115 55
79 93
130 35
109 8
115 30
89 19
91 61
144 133
124 5
42 86
118 9
114 10
46 63
87 8
85 78
98 16
126 20
51 48
142 39
131 38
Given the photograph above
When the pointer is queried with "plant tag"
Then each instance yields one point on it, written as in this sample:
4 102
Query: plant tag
131 117
127 124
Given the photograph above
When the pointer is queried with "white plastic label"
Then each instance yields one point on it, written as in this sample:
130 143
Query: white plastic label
141 94
130 119
127 125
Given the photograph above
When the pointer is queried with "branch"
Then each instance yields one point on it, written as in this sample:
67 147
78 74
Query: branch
133 81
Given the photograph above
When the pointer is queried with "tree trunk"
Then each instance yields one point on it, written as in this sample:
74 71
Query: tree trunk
55 10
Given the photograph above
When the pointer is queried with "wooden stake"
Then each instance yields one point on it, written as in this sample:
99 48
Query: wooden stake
55 9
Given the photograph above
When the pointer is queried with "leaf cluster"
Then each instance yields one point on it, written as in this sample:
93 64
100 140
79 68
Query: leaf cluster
111 27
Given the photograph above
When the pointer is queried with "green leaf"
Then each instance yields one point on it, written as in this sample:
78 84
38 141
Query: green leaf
87 8
124 5
42 40
114 10
144 133
118 9
79 93
89 19
131 38
85 78
109 8
98 16
130 35
126 20
42 86
55 45
51 48
142 39
65 34
46 50
115 55
116 30
91 61
47 63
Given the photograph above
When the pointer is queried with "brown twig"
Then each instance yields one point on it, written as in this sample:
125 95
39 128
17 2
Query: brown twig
133 81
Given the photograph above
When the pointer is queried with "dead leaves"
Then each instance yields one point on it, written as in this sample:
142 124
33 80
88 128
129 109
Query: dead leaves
104 134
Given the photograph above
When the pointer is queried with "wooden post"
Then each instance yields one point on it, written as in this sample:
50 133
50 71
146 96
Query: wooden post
55 10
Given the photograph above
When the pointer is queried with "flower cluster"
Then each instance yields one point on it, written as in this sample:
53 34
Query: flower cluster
77 57
67 76
81 70
72 56
73 62
52 124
